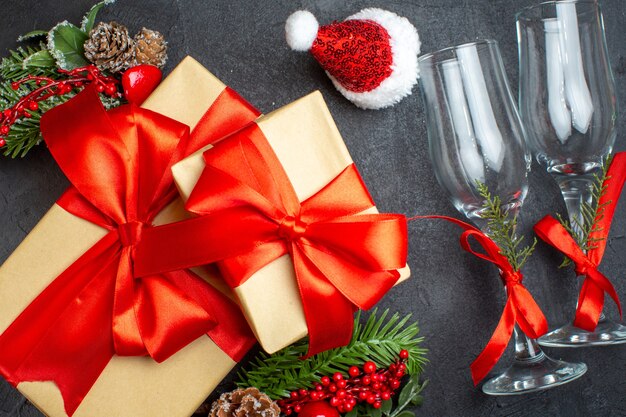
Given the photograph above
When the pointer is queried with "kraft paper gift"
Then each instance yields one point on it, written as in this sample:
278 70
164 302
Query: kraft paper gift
128 386
311 150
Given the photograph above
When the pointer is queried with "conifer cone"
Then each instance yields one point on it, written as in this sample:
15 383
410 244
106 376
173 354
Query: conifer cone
244 402
150 48
110 47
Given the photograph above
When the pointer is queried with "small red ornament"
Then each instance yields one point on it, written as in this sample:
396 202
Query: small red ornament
318 409
139 81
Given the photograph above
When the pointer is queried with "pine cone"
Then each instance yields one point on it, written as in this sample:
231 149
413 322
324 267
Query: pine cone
150 48
110 47
248 402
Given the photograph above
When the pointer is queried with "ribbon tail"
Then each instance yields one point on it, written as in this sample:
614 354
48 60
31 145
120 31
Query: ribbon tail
590 304
64 335
231 332
529 316
497 344
324 307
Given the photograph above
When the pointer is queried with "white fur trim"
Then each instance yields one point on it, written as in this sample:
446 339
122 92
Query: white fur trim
301 30
405 46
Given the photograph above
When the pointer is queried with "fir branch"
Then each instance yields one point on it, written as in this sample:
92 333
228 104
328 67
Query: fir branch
591 212
501 228
15 66
380 340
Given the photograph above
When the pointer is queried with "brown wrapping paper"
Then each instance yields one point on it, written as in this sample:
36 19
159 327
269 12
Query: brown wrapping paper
312 152
129 386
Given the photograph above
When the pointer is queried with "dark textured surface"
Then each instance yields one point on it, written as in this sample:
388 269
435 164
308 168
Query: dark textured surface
457 298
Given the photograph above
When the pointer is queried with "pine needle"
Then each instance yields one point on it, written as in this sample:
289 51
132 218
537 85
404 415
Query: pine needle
380 340
501 228
591 213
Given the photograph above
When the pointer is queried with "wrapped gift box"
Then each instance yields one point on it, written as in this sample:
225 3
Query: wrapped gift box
309 146
129 386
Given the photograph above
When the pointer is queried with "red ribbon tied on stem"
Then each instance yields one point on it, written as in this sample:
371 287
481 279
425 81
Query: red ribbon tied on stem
342 258
520 307
591 296
119 165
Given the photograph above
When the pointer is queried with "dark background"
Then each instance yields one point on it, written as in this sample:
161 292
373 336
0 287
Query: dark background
456 298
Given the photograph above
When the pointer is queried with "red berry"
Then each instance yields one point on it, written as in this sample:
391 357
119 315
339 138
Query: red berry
33 105
7 112
4 130
15 85
341 384
354 371
294 394
297 408
325 381
370 398
377 404
303 392
318 387
394 384
288 412
404 354
99 88
366 380
385 395
376 386
332 388
110 89
369 367
139 81
334 401
2 142
341 393
348 407
337 376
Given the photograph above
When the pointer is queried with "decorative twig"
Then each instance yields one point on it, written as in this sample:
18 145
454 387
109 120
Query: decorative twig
48 87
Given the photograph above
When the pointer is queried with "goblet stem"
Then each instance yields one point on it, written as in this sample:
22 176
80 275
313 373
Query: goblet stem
526 349
576 191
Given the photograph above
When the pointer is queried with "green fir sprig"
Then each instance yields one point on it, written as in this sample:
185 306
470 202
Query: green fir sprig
592 212
60 47
379 340
501 229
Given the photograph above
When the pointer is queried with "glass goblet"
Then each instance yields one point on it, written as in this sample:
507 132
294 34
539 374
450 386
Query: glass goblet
475 136
569 109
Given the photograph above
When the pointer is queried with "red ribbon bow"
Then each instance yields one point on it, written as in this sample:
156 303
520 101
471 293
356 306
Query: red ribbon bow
252 216
520 307
591 296
119 165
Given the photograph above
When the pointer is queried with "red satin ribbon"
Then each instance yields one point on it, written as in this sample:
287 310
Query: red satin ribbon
119 165
520 307
252 216
591 296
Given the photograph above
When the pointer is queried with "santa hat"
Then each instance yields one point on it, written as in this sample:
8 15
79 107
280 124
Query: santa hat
371 57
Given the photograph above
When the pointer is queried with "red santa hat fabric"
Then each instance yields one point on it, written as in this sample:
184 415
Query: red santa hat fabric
371 57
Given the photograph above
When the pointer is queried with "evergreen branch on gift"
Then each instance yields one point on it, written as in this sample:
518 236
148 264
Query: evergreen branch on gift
591 213
378 340
25 61
501 228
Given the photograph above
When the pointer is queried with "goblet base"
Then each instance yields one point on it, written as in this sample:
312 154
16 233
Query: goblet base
608 332
534 374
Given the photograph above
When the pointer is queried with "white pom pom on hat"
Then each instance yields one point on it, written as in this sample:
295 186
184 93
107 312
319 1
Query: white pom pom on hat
371 57
301 30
